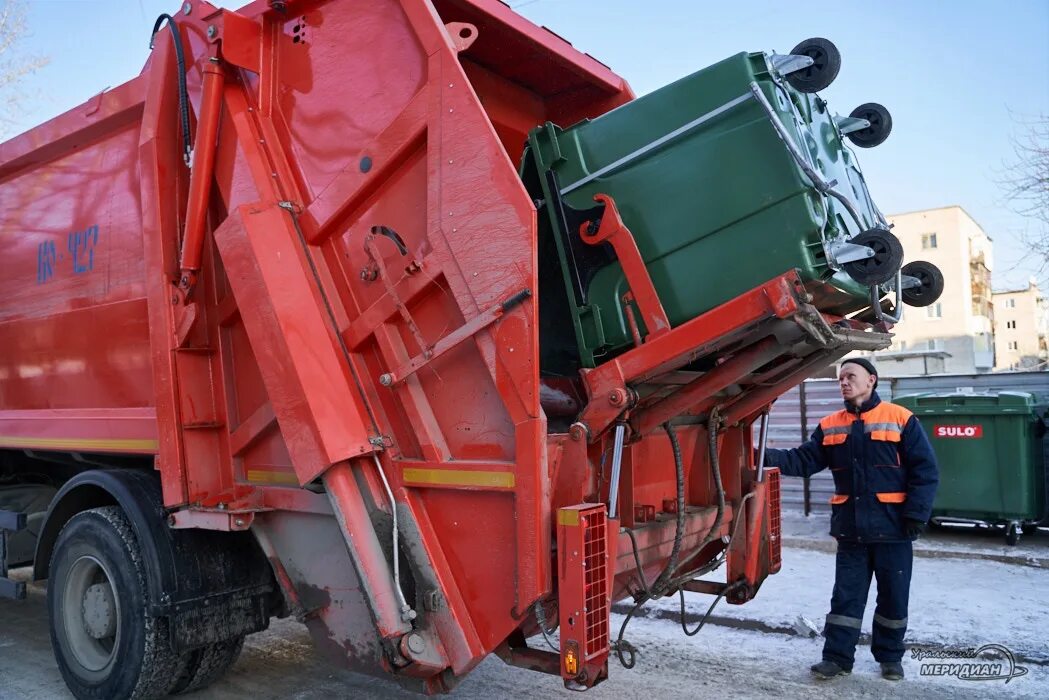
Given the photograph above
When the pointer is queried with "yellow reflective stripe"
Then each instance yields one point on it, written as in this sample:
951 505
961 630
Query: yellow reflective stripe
272 477
459 477
88 444
569 518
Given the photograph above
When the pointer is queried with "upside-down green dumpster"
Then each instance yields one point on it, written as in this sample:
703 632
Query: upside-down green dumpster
725 178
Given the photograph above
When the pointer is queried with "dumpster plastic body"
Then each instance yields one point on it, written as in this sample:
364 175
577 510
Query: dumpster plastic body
714 198
990 451
322 342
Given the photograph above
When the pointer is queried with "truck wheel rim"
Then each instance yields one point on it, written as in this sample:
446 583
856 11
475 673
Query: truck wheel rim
91 615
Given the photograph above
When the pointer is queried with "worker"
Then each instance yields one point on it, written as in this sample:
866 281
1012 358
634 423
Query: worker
885 478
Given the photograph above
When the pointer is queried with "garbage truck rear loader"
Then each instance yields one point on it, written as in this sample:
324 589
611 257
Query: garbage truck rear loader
332 313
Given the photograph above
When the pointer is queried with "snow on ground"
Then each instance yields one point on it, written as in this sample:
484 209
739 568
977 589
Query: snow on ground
958 599
953 601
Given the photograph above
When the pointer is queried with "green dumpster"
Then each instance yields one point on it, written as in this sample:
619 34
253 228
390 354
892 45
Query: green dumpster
713 175
990 452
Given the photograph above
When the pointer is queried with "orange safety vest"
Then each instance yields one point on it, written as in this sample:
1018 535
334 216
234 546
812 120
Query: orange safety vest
883 425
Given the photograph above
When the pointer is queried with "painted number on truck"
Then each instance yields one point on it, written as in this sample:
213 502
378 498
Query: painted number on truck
79 251
958 431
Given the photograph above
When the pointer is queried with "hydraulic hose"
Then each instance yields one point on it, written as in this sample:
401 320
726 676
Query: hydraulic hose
625 651
183 92
679 532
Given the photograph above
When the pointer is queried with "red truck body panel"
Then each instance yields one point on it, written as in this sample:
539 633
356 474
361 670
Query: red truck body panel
310 355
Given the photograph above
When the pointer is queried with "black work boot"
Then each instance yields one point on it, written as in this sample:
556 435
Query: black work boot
825 670
892 670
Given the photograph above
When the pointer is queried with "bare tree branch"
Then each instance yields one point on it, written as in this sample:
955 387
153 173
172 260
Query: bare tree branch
14 66
1025 186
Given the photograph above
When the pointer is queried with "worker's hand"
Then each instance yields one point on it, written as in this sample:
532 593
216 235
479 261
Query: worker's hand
915 528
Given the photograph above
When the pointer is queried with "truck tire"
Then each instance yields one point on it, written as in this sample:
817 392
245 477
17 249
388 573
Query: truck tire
208 664
106 643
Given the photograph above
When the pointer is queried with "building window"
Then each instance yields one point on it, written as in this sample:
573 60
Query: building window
1010 324
928 241
1013 345
934 310
1010 303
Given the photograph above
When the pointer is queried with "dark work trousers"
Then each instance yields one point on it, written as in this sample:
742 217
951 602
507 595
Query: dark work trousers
890 563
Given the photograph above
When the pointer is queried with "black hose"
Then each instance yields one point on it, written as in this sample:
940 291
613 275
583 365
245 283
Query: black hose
183 93
703 620
679 532
666 580
715 468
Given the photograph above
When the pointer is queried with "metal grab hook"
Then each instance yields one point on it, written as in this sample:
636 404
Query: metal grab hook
392 235
375 268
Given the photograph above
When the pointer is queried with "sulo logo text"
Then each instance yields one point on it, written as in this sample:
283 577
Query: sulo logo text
958 431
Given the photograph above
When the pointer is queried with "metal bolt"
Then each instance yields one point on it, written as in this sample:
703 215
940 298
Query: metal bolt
386 379
617 397
187 8
239 522
416 644
212 31
222 506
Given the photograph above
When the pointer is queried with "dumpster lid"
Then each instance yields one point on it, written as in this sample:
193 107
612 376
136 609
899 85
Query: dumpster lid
988 402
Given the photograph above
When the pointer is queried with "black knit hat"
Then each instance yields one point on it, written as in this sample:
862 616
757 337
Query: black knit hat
865 364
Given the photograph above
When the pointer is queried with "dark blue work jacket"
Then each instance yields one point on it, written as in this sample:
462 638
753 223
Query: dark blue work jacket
883 466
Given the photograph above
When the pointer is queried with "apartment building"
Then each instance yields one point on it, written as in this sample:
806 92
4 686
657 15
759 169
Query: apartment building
955 334
1020 328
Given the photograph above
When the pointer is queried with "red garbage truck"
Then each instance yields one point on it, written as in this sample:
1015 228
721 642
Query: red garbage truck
273 342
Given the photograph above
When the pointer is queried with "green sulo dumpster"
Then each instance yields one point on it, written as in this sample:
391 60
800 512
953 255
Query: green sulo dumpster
990 451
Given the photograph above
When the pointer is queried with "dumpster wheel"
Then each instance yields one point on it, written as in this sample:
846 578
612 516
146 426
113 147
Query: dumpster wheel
826 62
879 129
930 283
882 266
1012 534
